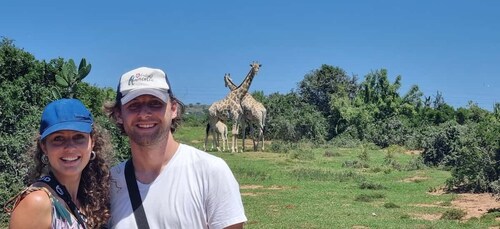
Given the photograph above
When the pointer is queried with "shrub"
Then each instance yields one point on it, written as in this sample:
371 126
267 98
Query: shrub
391 205
363 155
302 154
442 144
370 185
369 197
355 164
389 131
346 140
280 147
329 153
415 163
454 214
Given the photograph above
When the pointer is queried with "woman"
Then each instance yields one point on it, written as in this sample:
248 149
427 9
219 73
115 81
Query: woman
70 178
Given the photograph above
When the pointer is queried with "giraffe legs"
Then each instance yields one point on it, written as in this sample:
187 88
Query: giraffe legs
206 136
243 134
260 139
211 129
224 139
234 133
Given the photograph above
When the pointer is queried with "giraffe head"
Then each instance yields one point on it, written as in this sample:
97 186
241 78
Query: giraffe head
227 77
255 67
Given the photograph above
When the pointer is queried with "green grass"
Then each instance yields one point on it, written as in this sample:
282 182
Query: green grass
297 190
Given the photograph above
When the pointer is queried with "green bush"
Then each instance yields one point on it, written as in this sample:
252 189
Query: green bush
369 197
281 146
330 153
355 164
370 185
302 154
442 144
454 214
386 132
391 205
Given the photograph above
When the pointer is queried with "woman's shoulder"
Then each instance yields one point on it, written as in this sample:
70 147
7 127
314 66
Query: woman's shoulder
36 197
32 206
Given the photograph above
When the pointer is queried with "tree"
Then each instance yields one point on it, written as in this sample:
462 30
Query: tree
496 111
376 89
320 87
290 119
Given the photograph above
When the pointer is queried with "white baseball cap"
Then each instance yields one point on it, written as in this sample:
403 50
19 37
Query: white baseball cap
143 81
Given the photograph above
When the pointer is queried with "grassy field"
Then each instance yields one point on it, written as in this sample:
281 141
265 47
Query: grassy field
341 188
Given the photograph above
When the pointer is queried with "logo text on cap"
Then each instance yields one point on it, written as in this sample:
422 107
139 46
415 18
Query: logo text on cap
139 77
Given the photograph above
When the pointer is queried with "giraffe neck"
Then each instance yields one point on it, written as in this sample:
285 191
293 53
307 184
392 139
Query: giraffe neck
229 83
245 85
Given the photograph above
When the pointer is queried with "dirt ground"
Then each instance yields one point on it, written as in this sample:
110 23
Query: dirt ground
475 205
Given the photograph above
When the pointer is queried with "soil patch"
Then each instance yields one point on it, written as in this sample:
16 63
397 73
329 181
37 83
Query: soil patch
254 187
430 217
475 205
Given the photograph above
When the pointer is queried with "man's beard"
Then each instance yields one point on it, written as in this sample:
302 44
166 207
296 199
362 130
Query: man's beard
148 139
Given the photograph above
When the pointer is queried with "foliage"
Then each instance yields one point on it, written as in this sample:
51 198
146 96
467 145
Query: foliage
321 88
301 154
369 197
27 85
69 77
476 167
371 185
442 144
391 205
454 214
293 120
388 131
346 140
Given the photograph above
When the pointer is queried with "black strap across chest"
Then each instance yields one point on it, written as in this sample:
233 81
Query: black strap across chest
63 193
135 196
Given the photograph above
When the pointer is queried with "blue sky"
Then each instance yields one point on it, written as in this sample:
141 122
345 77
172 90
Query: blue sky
448 46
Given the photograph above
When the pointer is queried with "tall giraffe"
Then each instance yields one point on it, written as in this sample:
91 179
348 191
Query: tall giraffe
230 108
254 113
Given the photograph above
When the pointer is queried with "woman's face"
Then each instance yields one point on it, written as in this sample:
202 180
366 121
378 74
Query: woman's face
68 152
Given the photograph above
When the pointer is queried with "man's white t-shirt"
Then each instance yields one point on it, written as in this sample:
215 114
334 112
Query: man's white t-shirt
194 190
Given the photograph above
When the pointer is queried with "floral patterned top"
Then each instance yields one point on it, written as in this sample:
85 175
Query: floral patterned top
61 216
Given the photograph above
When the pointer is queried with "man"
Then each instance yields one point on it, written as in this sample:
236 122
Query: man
179 185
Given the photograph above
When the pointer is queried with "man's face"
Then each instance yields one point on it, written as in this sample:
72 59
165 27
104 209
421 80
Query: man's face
147 119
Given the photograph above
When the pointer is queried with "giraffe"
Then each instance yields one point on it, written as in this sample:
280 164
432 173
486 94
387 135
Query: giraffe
254 113
230 106
221 132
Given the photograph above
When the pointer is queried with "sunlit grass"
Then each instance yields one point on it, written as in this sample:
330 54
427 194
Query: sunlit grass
310 188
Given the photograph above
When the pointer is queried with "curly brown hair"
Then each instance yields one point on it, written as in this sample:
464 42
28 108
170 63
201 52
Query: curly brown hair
94 188
111 108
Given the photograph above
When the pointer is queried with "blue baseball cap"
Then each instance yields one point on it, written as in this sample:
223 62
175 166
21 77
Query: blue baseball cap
65 114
